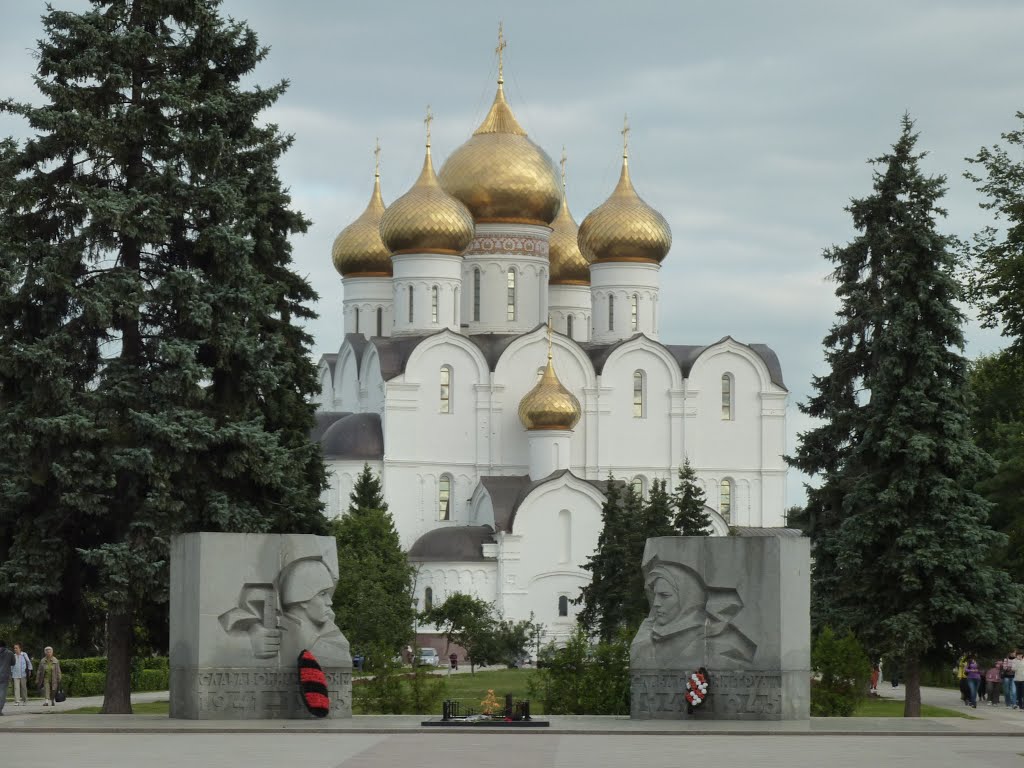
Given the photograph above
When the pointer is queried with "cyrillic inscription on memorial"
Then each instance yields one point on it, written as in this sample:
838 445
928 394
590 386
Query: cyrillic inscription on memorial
264 693
748 692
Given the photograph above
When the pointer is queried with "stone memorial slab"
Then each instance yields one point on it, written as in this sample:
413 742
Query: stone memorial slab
737 606
243 607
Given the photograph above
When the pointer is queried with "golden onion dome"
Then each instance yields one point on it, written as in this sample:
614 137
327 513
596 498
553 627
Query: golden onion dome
549 405
624 227
358 249
500 174
426 219
568 267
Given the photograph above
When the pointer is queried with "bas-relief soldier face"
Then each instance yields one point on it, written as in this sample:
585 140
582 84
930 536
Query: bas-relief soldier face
665 602
318 609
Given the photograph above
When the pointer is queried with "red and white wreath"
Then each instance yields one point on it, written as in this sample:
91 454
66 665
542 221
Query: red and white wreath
696 689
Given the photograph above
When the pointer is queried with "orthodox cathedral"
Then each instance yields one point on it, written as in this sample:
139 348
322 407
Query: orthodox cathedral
499 362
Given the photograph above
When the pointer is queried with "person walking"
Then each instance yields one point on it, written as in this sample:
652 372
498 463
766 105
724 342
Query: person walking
48 677
961 681
1018 678
22 669
875 672
1007 672
993 682
973 680
6 666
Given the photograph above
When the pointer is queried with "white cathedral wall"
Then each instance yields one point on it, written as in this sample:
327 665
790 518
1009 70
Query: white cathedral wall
565 301
623 281
478 579
367 294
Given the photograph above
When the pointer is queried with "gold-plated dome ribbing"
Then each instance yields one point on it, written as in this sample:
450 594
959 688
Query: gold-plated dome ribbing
426 219
624 227
358 249
568 267
499 173
549 405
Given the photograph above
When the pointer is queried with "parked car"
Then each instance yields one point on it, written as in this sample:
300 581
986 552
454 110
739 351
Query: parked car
428 657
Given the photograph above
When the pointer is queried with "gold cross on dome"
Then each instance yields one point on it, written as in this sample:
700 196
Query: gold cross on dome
549 337
562 163
499 50
625 135
376 158
428 120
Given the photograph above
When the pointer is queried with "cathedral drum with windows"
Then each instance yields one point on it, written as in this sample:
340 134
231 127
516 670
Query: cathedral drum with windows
499 362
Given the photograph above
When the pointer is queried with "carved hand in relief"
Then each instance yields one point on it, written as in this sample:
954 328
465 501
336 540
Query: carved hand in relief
266 643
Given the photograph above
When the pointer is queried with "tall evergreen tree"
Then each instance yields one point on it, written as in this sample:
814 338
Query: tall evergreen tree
688 501
604 598
375 578
899 556
154 379
998 280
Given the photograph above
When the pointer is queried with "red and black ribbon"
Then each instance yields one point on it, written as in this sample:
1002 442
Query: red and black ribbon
313 685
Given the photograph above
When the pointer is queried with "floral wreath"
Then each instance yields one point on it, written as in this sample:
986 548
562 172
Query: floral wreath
696 689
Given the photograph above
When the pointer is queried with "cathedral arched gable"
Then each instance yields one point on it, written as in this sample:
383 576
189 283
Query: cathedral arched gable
447 337
730 347
326 385
346 379
566 480
513 350
646 344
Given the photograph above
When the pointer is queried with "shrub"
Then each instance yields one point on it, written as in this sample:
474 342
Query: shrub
580 679
153 680
843 672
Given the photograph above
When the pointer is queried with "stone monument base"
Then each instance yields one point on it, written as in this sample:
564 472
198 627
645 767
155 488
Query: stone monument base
737 695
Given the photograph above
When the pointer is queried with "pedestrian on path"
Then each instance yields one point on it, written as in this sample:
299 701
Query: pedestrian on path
875 672
993 682
973 679
1009 689
22 670
961 681
6 666
48 677
1018 678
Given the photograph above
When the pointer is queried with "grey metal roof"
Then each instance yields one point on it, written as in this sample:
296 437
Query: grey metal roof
788 533
508 492
459 544
322 421
355 436
686 355
358 343
394 352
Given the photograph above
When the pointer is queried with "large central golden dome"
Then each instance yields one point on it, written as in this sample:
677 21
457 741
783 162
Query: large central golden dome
500 175
358 249
624 227
549 405
426 219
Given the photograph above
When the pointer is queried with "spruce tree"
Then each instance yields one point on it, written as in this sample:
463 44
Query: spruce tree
605 597
688 501
154 378
375 578
901 535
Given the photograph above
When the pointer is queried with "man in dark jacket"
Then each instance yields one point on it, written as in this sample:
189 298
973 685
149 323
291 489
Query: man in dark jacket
6 665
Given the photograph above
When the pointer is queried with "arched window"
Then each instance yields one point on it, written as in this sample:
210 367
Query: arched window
380 321
563 605
410 303
634 306
638 486
568 327
510 310
725 500
446 389
428 599
611 313
433 304
444 498
476 294
726 397
638 395
357 319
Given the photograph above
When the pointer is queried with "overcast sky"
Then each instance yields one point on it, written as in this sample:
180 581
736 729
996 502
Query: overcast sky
751 126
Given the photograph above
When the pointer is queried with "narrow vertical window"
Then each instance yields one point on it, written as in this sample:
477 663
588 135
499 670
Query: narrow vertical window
428 599
568 327
476 294
446 389
725 500
638 394
444 497
611 313
433 304
510 313
638 486
563 605
726 397
634 320
380 321
357 319
410 303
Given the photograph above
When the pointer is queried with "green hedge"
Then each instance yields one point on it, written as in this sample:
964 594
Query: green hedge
153 680
88 676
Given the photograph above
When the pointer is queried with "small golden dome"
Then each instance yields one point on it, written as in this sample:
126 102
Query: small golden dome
500 174
624 227
549 405
426 219
568 267
359 250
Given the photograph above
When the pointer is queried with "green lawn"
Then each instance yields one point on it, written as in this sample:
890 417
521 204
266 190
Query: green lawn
894 708
471 688
147 708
